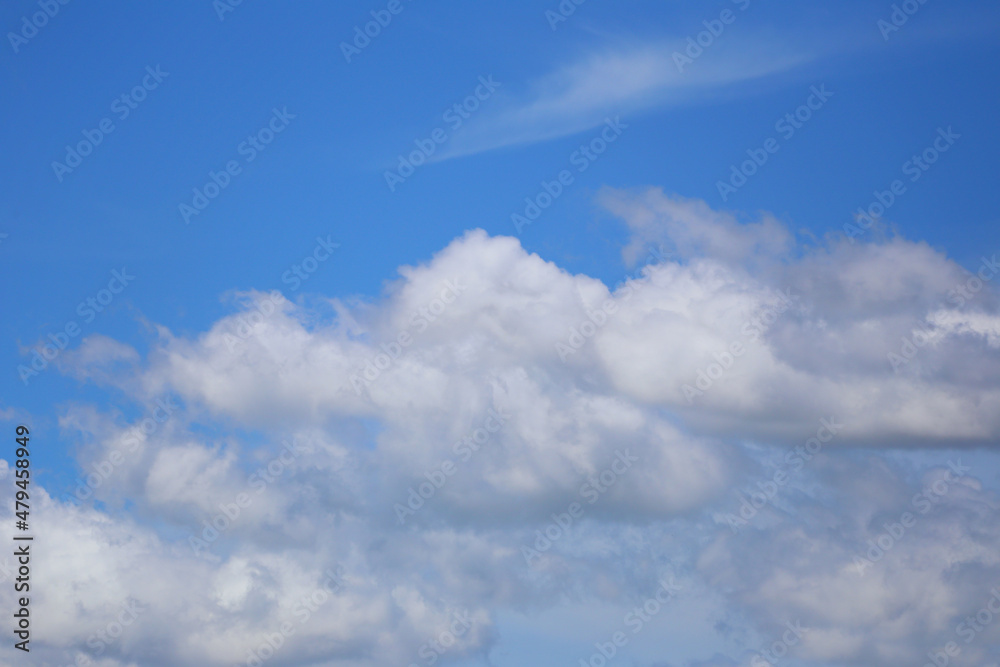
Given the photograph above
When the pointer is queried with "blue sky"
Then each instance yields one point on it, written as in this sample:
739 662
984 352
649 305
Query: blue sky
545 89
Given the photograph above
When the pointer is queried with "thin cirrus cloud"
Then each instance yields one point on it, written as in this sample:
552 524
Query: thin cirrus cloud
581 95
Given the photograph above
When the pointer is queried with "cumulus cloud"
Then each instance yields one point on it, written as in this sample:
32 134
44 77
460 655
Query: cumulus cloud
877 570
421 440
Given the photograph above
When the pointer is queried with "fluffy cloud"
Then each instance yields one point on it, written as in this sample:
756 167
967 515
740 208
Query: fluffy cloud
488 390
878 571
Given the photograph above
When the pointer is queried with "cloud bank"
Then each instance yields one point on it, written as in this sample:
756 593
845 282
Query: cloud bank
370 482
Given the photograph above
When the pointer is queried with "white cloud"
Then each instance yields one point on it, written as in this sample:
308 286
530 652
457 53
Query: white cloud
485 321
580 95
910 599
